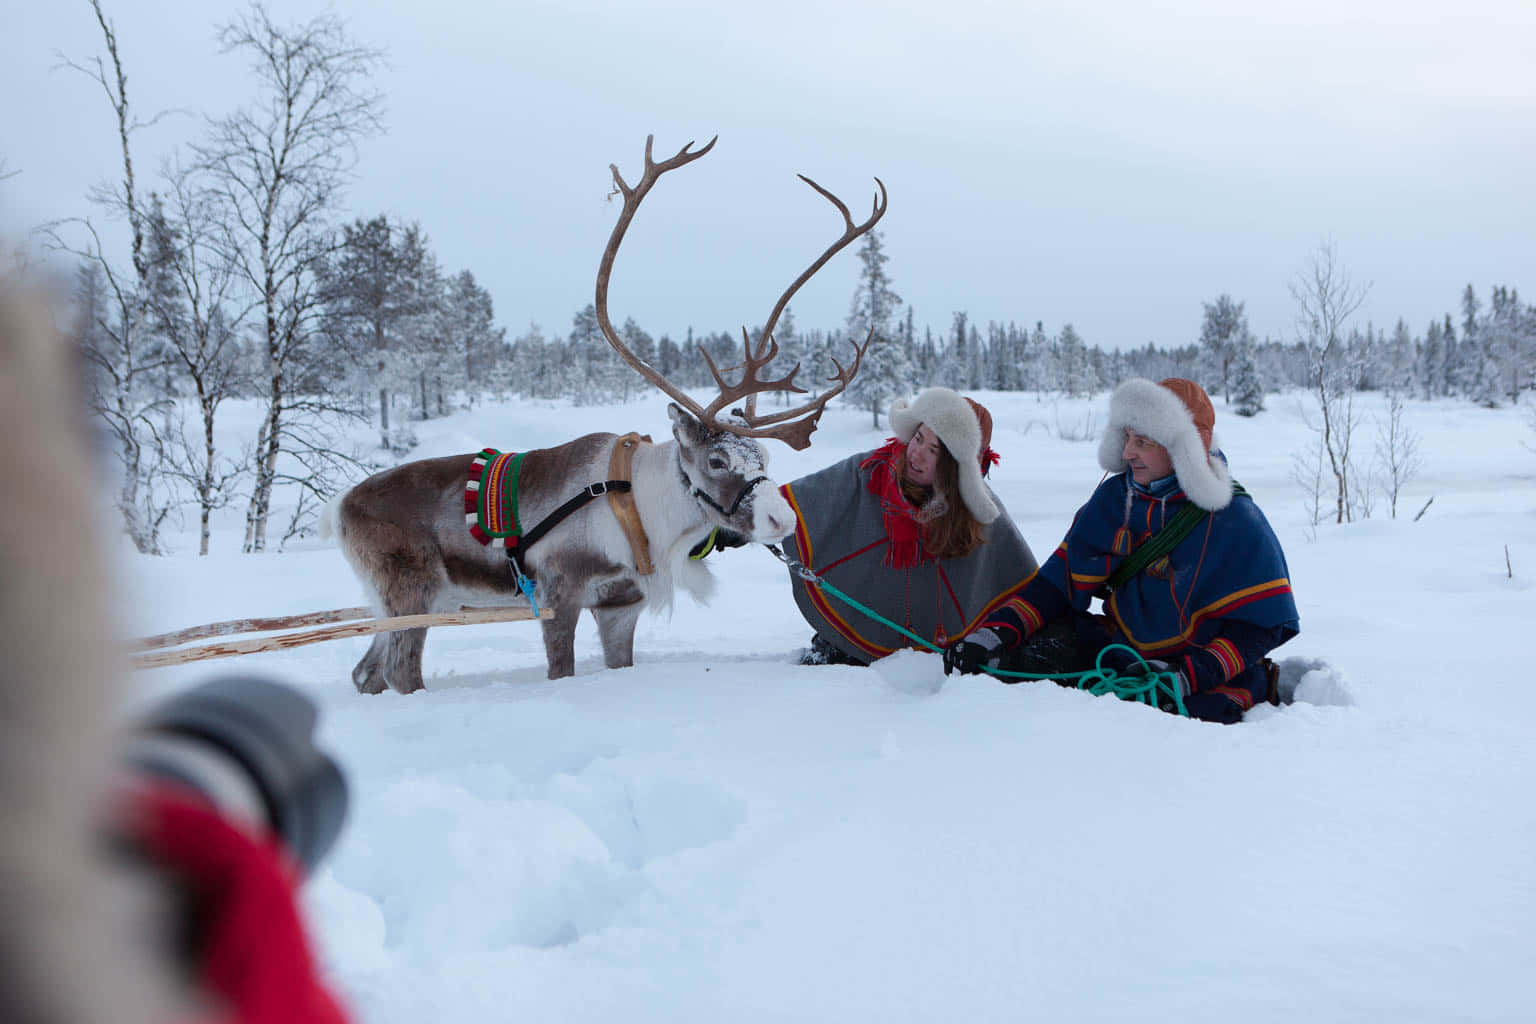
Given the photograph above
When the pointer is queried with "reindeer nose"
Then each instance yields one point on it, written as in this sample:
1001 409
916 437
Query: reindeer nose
779 527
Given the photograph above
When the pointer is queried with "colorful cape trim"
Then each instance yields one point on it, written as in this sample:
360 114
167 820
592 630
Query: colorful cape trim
490 498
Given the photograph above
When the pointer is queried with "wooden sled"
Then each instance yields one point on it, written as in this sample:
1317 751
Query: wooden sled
367 624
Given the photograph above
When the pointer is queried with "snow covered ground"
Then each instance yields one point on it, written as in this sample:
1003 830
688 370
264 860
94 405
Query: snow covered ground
719 834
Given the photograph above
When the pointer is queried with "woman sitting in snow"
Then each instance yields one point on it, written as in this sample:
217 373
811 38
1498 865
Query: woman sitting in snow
909 529
1209 609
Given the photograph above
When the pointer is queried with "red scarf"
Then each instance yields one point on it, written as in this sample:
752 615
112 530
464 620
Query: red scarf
903 527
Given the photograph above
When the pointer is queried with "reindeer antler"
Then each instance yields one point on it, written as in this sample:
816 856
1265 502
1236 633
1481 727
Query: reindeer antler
792 426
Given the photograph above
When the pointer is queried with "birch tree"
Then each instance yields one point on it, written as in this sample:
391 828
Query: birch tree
126 360
195 310
278 167
1325 299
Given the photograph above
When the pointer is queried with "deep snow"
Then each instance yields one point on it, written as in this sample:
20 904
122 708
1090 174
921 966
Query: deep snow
721 834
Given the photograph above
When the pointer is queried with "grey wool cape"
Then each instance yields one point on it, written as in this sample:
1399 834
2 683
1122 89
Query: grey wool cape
840 535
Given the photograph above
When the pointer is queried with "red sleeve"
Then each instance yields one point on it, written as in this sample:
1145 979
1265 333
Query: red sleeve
254 956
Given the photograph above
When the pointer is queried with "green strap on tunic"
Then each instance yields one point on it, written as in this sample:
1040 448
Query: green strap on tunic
1163 541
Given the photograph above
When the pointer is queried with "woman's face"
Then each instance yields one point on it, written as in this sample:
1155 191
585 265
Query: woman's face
923 456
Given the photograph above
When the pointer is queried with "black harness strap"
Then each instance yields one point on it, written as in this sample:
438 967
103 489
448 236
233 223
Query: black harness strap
712 503
516 552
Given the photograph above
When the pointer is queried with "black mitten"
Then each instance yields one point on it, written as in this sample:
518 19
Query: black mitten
982 647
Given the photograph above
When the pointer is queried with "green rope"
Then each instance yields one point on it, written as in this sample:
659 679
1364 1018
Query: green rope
1149 688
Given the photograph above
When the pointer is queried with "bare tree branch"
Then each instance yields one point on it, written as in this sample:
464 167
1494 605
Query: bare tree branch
1325 299
277 167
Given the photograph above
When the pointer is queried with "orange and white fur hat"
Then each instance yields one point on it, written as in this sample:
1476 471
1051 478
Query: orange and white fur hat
1177 414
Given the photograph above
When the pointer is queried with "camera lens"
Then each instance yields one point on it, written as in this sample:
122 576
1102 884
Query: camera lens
247 745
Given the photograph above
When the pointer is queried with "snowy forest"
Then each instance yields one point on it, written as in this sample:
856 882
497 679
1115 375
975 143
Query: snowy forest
722 830
243 276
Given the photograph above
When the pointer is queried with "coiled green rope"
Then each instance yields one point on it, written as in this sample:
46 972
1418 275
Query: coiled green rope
1151 688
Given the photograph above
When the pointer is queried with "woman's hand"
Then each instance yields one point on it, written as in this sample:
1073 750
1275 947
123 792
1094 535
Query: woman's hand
982 647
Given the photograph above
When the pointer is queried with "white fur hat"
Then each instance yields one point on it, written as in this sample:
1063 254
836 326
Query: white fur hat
1177 414
965 428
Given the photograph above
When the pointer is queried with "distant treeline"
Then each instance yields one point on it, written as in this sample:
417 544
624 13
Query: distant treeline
238 277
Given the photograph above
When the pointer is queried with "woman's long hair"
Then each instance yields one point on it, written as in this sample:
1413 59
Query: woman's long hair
954 533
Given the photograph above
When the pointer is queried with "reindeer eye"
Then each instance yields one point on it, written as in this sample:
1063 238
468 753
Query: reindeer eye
716 463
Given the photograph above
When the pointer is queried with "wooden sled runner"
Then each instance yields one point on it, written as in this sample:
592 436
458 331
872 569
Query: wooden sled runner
365 625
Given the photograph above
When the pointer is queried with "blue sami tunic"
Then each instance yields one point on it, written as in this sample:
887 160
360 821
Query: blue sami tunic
1212 608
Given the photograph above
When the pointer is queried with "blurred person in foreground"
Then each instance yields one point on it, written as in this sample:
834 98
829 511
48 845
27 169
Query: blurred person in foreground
129 902
911 530
1213 596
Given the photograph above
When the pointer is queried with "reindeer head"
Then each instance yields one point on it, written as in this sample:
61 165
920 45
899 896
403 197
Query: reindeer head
727 474
792 426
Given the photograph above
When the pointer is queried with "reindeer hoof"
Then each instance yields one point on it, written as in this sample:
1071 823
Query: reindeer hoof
368 682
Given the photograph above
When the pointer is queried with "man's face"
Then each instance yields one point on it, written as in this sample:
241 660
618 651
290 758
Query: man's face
1147 459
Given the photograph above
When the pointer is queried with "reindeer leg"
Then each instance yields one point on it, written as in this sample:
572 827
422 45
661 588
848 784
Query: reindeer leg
560 640
616 626
402 662
616 615
368 676
411 592
393 660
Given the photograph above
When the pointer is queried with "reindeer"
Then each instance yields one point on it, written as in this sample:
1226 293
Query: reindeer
404 530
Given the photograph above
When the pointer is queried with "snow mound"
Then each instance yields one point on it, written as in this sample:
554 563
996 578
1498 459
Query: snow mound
1313 681
351 923
916 673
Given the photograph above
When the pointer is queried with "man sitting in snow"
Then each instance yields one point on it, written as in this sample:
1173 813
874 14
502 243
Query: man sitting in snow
1208 609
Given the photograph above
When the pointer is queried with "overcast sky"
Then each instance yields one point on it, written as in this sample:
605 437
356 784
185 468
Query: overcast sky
1111 164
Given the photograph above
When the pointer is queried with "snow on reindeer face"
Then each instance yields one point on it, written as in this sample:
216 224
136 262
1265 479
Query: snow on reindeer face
729 476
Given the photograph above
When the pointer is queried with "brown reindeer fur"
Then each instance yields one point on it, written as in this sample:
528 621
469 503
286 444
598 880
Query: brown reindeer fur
403 531
68 949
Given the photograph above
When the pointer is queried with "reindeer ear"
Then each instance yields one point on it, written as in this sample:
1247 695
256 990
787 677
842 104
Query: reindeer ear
685 428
